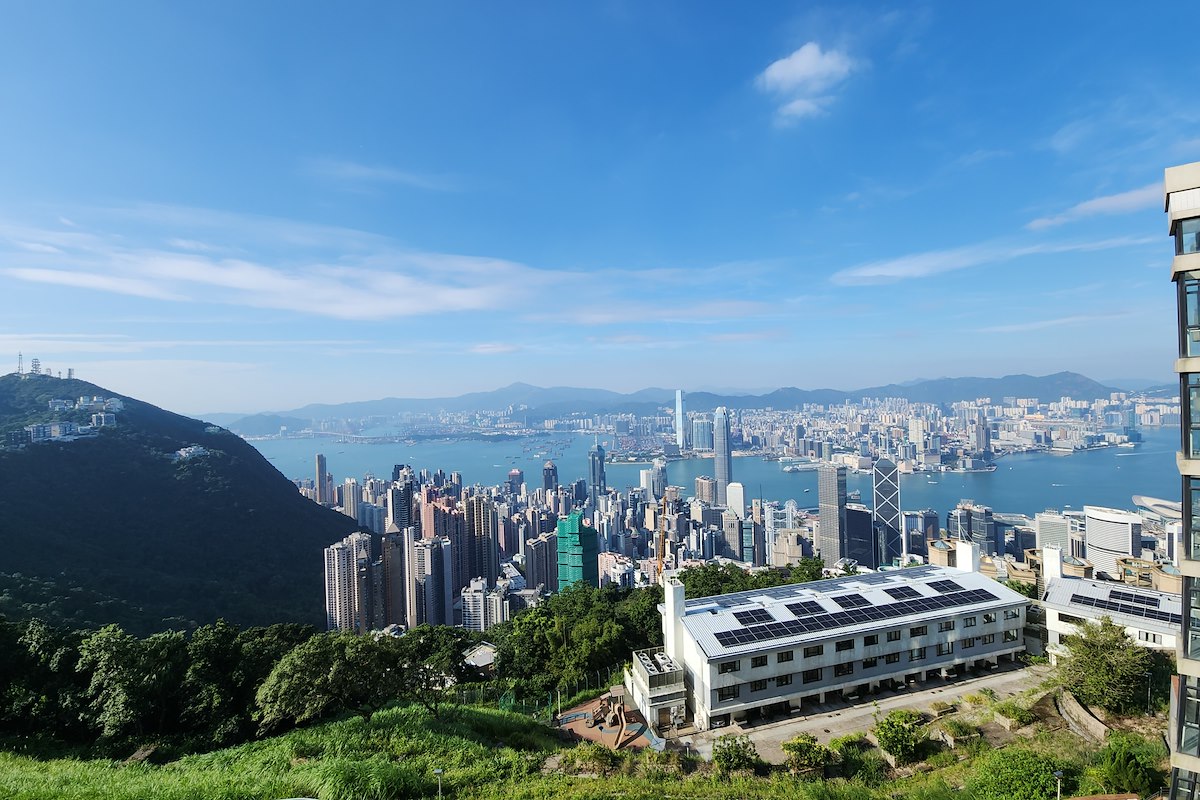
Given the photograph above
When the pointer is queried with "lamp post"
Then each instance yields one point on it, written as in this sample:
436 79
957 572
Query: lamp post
1149 675
438 773
1058 777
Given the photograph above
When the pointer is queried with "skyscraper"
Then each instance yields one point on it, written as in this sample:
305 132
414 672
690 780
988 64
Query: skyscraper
353 585
322 481
578 552
1182 192
887 511
831 508
549 476
702 433
596 482
680 419
723 462
430 600
482 539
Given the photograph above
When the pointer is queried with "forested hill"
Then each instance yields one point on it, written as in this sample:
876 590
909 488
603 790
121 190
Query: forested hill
115 527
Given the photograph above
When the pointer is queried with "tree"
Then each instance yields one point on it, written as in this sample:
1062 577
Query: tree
134 685
1105 667
804 753
1014 774
1020 587
808 569
430 663
1129 763
901 734
731 753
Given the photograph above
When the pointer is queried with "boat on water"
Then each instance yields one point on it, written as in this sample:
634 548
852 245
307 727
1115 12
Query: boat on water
933 482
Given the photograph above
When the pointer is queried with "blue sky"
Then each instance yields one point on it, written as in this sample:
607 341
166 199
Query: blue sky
240 207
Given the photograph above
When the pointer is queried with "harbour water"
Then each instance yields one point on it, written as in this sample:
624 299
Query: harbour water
1023 483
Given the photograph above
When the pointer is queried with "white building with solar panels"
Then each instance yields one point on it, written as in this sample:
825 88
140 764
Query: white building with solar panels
771 651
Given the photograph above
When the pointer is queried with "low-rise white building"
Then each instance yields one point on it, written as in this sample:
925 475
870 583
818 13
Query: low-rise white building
771 651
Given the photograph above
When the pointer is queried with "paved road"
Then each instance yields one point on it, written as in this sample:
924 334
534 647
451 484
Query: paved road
832 720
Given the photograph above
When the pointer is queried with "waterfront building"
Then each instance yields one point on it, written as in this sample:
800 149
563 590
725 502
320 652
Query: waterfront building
735 499
680 420
1109 535
893 544
1182 203
736 657
831 506
549 476
1053 530
702 434
706 490
322 485
723 460
861 539
596 485
578 552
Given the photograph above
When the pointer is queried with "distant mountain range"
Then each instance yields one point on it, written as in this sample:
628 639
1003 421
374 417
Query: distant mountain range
116 528
543 402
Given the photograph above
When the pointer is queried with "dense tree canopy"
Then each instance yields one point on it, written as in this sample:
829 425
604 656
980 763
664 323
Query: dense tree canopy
901 734
1105 668
713 579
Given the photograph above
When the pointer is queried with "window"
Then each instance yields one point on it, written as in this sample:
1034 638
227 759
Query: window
1147 636
869 663
1189 314
945 648
1187 236
758 686
1010 636
810 675
784 657
916 654
947 625
1191 415
920 630
968 643
1012 613
989 617
726 693
844 645
814 651
729 666
969 622
1070 619
891 658
784 680
893 636
870 640
989 639
758 661
844 669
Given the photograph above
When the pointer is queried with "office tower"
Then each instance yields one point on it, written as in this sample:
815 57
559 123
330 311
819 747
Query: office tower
985 532
702 433
958 522
430 599
886 483
723 462
549 476
831 507
658 484
596 482
1182 191
680 419
482 540
578 552
1111 534
861 537
322 487
735 499
1053 530
706 490
395 575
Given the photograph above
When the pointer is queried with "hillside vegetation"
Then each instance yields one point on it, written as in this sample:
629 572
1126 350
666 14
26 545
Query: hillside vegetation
112 529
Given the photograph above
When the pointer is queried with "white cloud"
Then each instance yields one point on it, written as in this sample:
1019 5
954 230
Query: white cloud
493 348
85 280
1042 324
350 172
936 262
1122 203
802 81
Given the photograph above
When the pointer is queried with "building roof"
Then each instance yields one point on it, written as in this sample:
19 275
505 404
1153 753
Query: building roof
1131 606
1167 509
783 616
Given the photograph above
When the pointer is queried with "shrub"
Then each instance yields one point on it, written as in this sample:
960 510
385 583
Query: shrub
957 727
732 753
1015 774
804 753
901 734
1022 716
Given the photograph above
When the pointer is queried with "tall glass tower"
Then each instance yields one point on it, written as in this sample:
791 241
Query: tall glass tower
1182 199
831 502
596 482
887 511
723 466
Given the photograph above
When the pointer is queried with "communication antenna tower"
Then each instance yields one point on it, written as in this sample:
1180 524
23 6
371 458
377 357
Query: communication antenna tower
35 367
20 363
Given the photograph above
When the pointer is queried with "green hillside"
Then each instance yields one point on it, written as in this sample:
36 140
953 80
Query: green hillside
113 528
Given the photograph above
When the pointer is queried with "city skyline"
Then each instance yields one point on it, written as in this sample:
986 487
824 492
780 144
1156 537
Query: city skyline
230 209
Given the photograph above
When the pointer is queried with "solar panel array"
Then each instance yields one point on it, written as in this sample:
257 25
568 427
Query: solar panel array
903 592
754 616
805 607
840 619
852 601
1129 609
1120 596
945 586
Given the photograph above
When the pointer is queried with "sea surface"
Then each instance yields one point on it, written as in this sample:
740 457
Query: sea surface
1024 483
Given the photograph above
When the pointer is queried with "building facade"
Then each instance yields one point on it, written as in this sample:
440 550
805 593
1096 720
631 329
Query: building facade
578 552
831 506
723 460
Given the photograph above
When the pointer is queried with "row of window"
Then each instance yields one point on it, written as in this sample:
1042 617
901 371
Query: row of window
726 693
870 640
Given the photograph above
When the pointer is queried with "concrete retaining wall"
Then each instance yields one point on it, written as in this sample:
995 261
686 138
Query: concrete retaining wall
1081 718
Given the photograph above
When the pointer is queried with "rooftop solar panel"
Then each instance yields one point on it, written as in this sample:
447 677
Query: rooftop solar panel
945 586
1121 596
1128 609
805 607
902 592
818 622
754 616
852 601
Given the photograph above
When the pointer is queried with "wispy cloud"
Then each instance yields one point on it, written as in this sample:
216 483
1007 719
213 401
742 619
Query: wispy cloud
1122 203
803 81
353 173
1057 322
493 348
936 262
